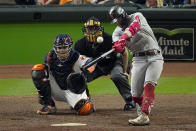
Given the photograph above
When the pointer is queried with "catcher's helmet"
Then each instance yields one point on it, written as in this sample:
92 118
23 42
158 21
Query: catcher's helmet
92 29
62 46
119 16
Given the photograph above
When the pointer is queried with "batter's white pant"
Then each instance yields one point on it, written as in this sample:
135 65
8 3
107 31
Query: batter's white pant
65 95
145 69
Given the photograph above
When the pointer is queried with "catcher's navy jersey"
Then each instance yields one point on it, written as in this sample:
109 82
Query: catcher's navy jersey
60 70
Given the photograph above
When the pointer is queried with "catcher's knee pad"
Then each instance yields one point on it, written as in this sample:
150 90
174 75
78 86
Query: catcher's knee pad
38 72
84 107
39 76
76 83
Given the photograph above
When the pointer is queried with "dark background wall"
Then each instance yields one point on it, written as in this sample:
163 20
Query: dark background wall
179 23
19 13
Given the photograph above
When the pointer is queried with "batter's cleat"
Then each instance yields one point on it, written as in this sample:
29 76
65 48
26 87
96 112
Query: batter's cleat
141 120
46 109
129 107
139 109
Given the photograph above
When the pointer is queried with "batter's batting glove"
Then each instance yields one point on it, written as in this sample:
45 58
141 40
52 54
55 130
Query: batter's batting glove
119 45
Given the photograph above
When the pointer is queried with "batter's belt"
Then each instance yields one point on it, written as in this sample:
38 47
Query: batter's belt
147 53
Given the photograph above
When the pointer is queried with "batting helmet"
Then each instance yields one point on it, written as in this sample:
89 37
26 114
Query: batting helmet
62 46
119 16
92 29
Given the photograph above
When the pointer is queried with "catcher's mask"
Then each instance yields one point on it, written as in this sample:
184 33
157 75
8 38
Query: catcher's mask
63 46
119 16
92 29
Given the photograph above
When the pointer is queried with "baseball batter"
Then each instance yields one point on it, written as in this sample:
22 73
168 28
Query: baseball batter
134 32
61 78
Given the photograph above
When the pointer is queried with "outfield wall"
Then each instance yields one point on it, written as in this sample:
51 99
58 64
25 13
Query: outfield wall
30 30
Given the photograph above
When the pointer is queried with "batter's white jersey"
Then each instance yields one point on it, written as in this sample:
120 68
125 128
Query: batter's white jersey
146 68
66 95
143 40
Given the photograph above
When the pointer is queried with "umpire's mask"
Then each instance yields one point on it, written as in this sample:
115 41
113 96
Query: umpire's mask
92 29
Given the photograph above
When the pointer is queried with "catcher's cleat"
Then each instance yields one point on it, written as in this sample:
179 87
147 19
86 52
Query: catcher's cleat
129 107
46 109
141 120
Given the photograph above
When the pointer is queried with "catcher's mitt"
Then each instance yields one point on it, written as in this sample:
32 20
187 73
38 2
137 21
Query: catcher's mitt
76 83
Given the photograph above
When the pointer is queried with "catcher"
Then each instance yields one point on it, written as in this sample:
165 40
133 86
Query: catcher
60 78
96 42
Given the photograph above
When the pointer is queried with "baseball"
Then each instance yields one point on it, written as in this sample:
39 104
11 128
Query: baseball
99 39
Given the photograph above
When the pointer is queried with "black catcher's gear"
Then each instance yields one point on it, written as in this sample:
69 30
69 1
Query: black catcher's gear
76 83
40 80
119 15
92 29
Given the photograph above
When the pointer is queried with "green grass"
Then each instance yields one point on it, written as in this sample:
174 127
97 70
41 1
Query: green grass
27 43
176 85
16 87
167 85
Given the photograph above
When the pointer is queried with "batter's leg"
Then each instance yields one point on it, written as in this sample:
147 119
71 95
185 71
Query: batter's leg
138 77
153 73
137 82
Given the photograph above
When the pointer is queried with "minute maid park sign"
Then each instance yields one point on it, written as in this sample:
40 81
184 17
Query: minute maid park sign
176 44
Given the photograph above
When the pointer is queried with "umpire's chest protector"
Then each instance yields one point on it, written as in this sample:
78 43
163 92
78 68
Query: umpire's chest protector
60 70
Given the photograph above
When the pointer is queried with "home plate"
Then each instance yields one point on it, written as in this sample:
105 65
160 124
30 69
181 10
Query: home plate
69 124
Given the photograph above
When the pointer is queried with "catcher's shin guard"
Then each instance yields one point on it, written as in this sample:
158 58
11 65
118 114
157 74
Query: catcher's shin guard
39 77
148 99
84 107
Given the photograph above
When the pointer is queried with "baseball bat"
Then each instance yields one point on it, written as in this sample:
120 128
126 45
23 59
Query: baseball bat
85 67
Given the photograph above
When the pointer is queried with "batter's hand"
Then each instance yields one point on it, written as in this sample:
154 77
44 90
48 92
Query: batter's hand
119 45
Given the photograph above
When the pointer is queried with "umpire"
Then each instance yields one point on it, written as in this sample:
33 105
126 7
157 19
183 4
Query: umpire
96 42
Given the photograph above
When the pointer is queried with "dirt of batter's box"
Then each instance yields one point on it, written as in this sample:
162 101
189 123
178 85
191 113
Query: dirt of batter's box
170 69
170 113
